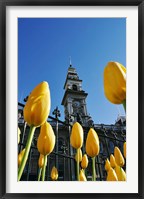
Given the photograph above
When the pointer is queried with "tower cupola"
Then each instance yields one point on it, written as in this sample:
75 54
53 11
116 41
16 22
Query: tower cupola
74 99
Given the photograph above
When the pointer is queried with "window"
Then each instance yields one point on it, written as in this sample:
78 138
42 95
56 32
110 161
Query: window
74 87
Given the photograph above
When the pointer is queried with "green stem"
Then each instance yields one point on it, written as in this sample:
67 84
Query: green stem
39 174
27 149
124 104
44 168
93 169
78 164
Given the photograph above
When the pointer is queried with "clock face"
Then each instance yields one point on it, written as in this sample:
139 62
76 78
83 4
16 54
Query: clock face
76 103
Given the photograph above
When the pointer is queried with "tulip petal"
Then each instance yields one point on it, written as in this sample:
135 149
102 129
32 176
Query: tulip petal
37 107
92 143
115 82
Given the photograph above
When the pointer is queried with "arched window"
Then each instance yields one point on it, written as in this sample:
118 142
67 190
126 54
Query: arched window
74 87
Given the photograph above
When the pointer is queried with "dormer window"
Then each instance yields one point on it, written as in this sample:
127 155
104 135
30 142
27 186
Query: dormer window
74 87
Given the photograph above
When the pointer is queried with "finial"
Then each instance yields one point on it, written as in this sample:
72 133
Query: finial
70 61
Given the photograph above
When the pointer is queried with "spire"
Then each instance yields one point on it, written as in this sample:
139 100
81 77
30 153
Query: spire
70 61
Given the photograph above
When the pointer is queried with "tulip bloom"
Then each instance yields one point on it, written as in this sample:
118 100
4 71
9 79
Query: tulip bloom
76 138
107 165
115 82
19 132
79 153
45 143
82 176
41 165
112 161
92 148
37 107
84 162
36 111
120 173
54 173
124 149
41 161
20 156
111 176
46 139
92 143
118 157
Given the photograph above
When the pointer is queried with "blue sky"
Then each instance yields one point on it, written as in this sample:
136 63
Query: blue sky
44 47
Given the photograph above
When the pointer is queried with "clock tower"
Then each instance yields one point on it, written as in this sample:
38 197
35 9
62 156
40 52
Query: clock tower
74 99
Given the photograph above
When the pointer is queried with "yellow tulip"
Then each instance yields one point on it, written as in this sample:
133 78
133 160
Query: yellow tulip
37 107
124 149
41 161
107 165
19 132
54 173
112 161
111 176
46 139
76 141
118 157
92 143
120 173
20 156
79 152
76 138
115 82
84 162
82 176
